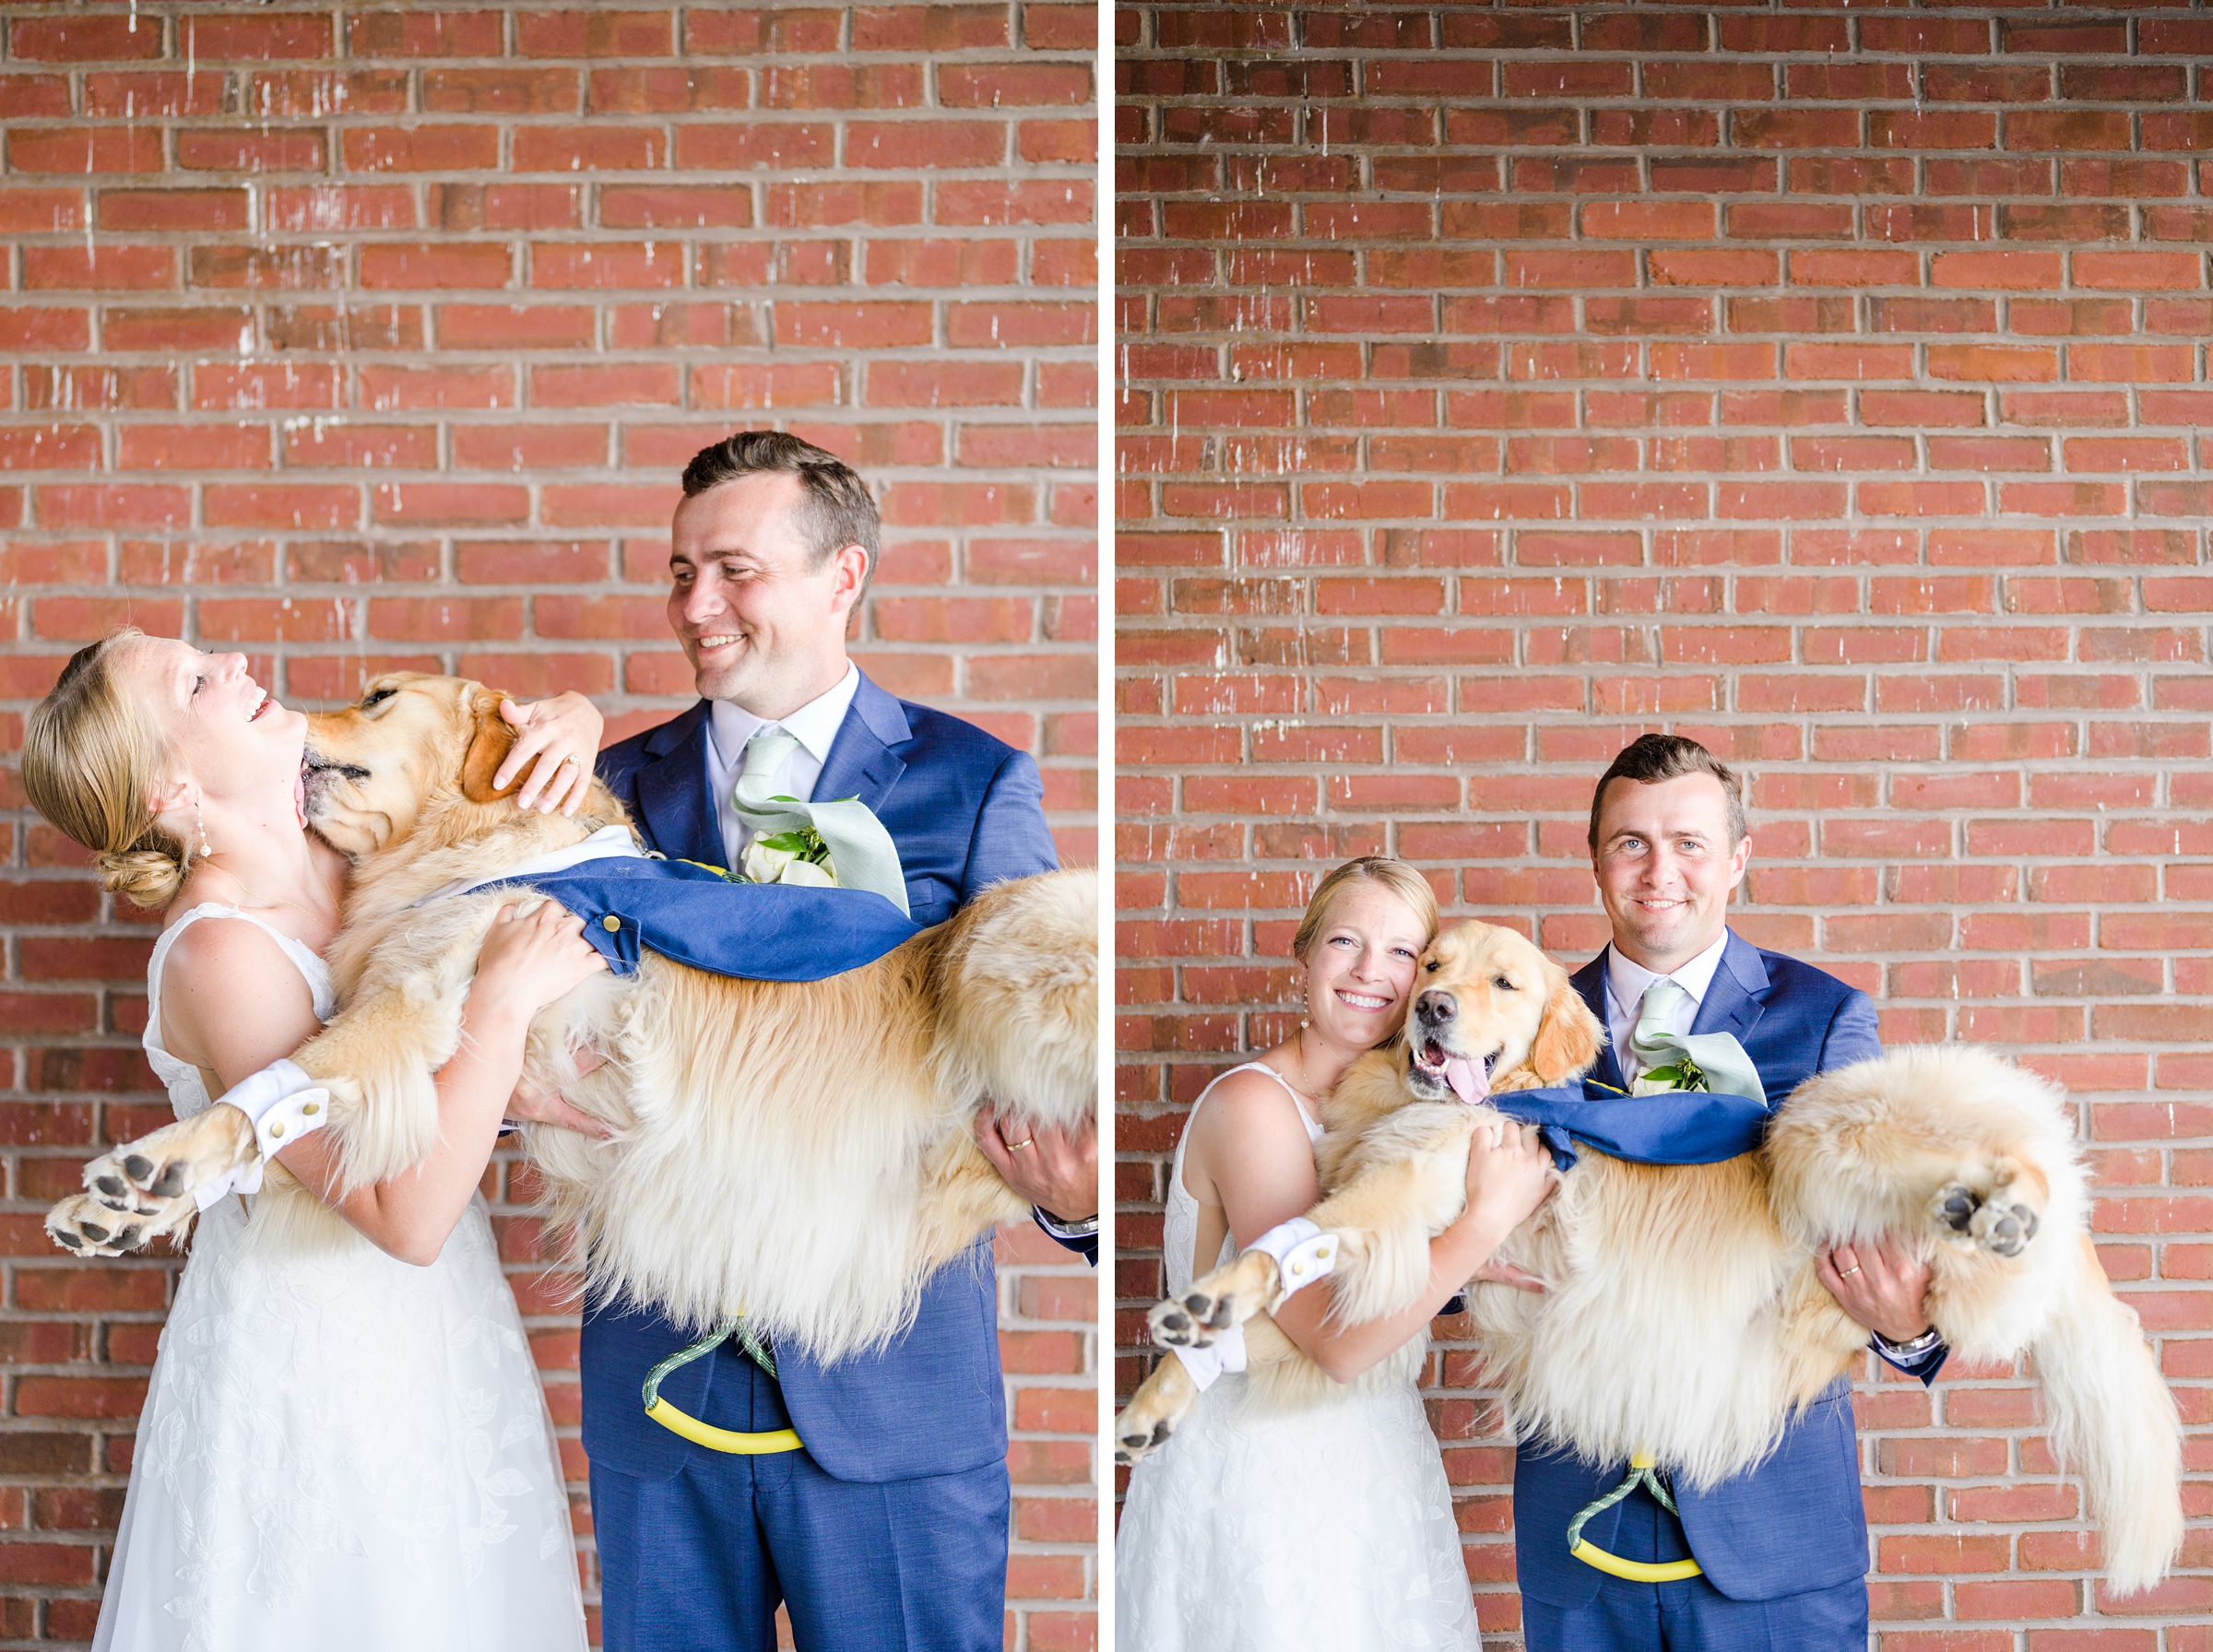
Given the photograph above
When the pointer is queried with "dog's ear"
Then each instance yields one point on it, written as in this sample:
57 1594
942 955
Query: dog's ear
1568 1036
488 749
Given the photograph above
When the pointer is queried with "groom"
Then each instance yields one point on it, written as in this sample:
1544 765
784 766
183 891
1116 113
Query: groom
1784 1545
889 1529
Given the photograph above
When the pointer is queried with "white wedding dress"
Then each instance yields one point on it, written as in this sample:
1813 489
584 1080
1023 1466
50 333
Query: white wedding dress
339 1451
1329 1529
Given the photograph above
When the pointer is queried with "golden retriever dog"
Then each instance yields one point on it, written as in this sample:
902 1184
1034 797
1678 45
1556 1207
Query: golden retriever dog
1684 1316
800 1153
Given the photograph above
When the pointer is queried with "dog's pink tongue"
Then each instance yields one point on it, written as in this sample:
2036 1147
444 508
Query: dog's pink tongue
1469 1080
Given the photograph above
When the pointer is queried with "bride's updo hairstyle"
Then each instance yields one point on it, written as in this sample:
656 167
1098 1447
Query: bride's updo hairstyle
1393 874
90 764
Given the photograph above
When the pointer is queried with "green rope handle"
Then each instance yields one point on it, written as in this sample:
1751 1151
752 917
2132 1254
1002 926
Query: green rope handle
754 1348
1641 1473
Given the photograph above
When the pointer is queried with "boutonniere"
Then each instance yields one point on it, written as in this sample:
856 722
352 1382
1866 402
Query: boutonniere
797 855
1680 1074
1713 1062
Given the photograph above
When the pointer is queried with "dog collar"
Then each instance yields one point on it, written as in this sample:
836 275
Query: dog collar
610 843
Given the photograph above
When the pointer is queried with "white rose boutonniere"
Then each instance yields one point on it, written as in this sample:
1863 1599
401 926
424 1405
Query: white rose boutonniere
798 855
1681 1074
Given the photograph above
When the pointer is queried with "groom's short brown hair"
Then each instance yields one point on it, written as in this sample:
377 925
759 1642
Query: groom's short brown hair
1652 758
838 511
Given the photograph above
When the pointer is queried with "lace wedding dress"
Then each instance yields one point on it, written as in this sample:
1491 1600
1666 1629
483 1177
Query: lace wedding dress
1323 1530
339 1450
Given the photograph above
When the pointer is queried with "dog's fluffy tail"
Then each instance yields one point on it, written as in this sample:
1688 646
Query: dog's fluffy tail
1019 975
2115 1423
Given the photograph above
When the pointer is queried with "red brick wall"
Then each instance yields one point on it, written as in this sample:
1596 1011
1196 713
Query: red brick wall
1823 383
360 337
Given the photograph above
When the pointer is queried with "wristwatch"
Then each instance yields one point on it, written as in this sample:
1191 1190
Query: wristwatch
1912 1349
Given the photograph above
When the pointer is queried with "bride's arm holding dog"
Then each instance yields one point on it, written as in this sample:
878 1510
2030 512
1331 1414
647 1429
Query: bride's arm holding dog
526 963
1250 1158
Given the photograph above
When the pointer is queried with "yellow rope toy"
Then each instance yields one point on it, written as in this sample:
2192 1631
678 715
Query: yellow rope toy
706 1434
1641 1472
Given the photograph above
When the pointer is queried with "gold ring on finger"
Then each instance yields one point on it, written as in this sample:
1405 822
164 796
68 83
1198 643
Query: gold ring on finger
1018 1146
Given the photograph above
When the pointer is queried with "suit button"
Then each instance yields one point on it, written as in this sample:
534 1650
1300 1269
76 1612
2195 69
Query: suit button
611 924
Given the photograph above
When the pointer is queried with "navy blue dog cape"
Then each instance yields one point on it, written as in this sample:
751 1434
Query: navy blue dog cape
695 915
1672 1126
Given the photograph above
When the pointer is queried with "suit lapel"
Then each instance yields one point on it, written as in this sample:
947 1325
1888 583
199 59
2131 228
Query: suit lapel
1591 981
862 762
1737 997
673 799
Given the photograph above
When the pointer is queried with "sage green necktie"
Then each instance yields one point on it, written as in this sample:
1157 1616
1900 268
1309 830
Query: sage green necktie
1728 1070
862 854
1656 1019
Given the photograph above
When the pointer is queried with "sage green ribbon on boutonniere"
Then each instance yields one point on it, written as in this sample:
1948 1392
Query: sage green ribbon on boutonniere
840 843
1708 1061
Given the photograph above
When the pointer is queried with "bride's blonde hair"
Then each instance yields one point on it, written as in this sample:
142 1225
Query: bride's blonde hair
90 764
1393 874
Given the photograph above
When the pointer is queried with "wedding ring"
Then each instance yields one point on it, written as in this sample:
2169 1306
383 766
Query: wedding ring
1848 1271
1022 1143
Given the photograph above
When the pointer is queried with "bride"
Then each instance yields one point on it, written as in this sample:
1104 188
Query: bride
342 1446
1328 1529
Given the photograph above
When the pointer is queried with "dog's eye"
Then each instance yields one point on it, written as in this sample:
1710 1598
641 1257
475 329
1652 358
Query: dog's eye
376 697
1433 966
1503 985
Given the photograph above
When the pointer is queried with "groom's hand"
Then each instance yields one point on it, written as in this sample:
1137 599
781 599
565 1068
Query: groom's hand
1057 1171
1882 1284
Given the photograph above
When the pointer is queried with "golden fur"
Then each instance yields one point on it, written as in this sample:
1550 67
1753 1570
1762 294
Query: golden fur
801 1153
1685 1316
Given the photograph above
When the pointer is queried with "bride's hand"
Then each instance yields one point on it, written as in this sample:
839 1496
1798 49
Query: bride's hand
526 963
563 734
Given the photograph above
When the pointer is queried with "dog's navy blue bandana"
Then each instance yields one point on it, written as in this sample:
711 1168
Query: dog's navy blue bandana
1674 1126
695 915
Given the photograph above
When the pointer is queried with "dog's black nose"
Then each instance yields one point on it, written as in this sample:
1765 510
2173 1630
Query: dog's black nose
1436 1007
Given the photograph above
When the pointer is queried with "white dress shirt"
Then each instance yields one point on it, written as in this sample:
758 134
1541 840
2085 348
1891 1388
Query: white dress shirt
1627 980
814 725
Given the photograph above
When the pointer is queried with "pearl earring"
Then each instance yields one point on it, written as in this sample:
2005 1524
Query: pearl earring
201 821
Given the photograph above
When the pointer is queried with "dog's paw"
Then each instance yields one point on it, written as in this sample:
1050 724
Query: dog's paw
1992 1217
1228 1296
2002 1227
87 1227
1189 1321
146 1177
1137 1438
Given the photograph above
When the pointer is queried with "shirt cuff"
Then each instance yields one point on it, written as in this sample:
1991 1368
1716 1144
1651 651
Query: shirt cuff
1067 1230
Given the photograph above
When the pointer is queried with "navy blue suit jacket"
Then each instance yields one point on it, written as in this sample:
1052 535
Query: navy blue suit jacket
1794 1522
965 811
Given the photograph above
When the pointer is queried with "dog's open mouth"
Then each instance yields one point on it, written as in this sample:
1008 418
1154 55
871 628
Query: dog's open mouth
317 775
1434 1068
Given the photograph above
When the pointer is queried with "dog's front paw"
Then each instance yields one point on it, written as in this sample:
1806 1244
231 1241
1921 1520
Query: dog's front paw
1191 1320
1137 1437
1230 1295
1162 1401
85 1225
145 1178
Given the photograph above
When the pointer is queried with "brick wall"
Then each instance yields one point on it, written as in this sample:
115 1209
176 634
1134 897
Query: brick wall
1824 384
359 336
